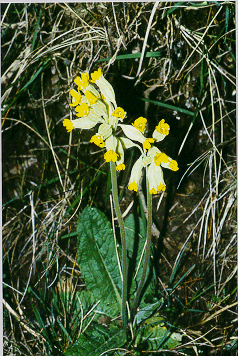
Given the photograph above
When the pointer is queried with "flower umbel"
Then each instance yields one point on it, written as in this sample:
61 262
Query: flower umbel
96 104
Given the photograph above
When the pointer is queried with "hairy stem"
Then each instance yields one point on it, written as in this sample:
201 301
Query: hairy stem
123 241
147 252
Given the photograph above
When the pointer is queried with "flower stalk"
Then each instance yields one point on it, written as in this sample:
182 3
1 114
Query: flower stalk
123 241
147 250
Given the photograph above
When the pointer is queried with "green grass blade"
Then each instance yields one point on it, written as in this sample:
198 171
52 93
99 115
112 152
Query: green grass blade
72 234
134 55
64 330
197 295
185 274
167 106
36 31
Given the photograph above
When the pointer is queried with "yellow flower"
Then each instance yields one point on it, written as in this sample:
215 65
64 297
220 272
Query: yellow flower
119 113
140 123
68 124
133 186
83 81
136 174
105 88
98 140
147 143
160 187
110 156
120 167
96 75
173 165
155 178
82 110
161 131
76 96
153 191
163 128
92 99
161 157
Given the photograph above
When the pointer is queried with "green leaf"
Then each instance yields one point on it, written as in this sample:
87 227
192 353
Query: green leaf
131 231
98 260
156 335
147 311
96 340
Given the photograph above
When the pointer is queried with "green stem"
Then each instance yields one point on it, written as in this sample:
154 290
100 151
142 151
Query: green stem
147 251
123 241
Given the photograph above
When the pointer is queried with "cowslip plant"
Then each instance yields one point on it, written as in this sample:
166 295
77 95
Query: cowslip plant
95 105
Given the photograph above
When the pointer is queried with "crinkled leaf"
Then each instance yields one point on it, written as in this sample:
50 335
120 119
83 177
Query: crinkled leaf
98 261
96 340
156 335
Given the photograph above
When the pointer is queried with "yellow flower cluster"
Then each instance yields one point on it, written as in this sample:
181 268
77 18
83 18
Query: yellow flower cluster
151 157
96 104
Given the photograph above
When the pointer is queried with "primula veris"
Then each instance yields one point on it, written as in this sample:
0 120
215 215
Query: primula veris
147 143
68 124
161 131
110 156
76 96
96 104
98 140
82 110
136 174
140 124
119 113
82 82
105 87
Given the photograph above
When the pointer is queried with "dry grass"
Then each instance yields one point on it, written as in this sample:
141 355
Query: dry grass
49 176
